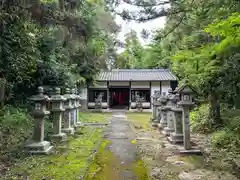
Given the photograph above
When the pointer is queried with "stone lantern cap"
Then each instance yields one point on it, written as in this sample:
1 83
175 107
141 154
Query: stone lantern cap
163 99
156 95
40 97
174 98
67 94
74 96
40 101
68 98
58 99
185 89
78 98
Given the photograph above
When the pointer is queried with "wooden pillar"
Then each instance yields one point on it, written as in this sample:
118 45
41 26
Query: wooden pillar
108 94
150 85
130 95
87 94
160 87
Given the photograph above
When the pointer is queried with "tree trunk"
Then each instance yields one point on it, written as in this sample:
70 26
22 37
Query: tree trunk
214 109
2 96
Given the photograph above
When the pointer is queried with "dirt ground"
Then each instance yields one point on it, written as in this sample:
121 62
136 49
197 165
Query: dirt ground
165 163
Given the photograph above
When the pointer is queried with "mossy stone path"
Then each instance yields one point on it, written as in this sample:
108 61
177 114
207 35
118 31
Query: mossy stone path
118 158
120 135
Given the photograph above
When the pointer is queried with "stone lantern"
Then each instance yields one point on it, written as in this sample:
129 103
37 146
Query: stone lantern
177 135
163 119
78 99
186 93
67 128
57 110
157 105
37 145
170 124
74 110
155 97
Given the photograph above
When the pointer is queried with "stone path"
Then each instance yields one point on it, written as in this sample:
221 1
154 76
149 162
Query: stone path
121 135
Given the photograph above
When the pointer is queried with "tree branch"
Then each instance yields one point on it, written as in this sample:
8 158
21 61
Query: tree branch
147 4
154 15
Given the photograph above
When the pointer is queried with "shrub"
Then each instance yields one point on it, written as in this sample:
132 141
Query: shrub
199 118
226 139
15 127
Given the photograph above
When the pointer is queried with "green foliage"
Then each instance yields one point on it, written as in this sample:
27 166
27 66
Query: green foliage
226 139
15 128
49 43
200 119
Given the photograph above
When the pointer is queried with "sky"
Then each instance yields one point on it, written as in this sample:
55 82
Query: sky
138 27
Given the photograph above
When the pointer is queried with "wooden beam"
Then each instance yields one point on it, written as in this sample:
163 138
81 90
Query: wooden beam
150 85
108 94
130 95
87 95
160 87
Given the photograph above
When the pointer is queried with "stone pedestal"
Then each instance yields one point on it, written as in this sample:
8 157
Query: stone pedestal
163 121
67 128
177 135
154 108
74 110
170 124
57 116
37 145
153 117
157 119
78 111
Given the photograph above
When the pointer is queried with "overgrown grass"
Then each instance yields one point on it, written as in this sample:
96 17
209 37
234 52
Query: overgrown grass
94 117
15 127
227 137
140 120
68 162
70 159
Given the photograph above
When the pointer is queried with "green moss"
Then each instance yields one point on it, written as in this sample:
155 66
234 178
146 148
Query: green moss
140 170
104 165
140 120
87 117
68 162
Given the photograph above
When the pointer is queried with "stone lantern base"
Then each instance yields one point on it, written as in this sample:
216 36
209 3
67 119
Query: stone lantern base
79 124
176 138
152 119
166 131
155 123
68 131
43 147
59 137
162 125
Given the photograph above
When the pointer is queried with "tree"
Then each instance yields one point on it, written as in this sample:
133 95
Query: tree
53 42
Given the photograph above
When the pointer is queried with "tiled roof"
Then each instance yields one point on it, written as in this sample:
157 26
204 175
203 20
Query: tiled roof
136 75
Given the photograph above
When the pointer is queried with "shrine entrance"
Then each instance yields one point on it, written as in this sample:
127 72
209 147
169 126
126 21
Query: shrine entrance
119 98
